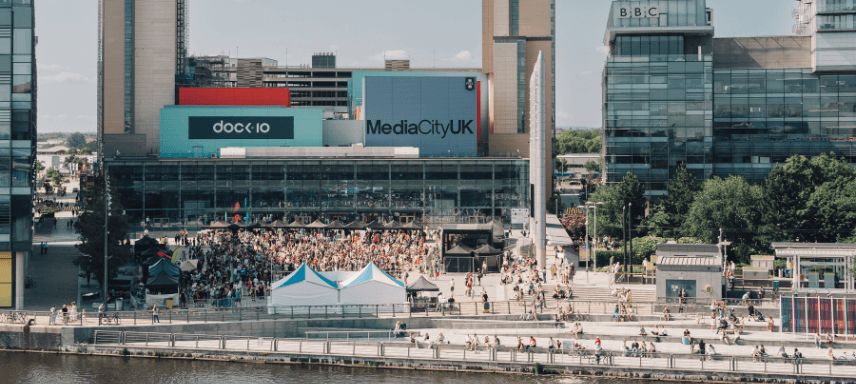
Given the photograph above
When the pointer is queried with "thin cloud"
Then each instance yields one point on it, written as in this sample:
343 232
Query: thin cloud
604 50
463 56
49 67
65 77
390 55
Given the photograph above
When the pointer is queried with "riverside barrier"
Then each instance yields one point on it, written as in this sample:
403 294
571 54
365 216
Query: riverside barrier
583 311
422 354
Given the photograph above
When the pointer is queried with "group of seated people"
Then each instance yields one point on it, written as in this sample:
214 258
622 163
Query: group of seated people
623 312
636 350
561 293
563 314
576 329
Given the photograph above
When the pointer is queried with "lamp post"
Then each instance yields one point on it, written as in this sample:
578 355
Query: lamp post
594 236
630 233
586 243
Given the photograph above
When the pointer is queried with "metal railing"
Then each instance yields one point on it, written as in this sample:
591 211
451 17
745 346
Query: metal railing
595 310
493 353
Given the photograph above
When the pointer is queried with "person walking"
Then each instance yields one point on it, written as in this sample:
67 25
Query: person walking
53 316
155 318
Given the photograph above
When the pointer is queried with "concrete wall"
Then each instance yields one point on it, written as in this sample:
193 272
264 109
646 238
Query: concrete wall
154 66
835 51
767 52
127 145
113 45
344 132
504 88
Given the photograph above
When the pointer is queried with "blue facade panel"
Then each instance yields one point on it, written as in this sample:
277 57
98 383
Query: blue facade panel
303 125
438 115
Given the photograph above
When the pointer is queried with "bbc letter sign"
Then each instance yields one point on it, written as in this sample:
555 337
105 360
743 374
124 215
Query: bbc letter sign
638 12
240 127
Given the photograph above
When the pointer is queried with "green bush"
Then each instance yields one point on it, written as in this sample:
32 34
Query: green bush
124 351
539 369
603 257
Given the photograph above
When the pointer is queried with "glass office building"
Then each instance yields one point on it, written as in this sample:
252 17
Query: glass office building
17 146
724 106
175 194
764 116
657 109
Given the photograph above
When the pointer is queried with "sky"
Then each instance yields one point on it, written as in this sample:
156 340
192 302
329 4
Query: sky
436 33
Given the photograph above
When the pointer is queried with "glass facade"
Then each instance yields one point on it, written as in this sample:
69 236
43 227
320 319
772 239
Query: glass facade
129 66
190 194
17 139
764 116
657 109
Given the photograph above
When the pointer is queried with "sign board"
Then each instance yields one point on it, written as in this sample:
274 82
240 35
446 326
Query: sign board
470 83
519 215
434 114
638 12
240 127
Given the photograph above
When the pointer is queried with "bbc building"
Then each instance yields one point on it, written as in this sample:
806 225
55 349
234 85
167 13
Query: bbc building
410 154
672 93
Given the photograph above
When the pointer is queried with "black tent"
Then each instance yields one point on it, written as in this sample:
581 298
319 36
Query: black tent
392 225
374 225
486 249
336 224
412 226
218 225
317 224
460 250
277 224
163 280
422 285
153 251
256 224
145 243
356 225
154 260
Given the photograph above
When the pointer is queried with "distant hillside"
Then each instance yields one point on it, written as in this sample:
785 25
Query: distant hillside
62 136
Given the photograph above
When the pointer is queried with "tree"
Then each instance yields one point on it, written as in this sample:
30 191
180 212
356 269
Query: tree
682 190
592 166
551 204
76 140
85 150
614 197
579 141
39 167
833 210
785 211
730 204
91 230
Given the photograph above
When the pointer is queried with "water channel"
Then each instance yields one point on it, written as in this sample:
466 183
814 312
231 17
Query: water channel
53 368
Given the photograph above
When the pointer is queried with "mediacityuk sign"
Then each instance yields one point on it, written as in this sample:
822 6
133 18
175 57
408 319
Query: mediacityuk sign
241 127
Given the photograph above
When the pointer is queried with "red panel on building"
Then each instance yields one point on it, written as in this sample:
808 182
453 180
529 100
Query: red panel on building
234 96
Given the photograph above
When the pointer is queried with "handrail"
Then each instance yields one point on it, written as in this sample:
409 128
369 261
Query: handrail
459 352
231 314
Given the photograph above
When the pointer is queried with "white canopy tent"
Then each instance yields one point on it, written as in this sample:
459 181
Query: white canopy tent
304 286
372 286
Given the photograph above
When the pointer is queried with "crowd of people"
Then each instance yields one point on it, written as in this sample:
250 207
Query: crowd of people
240 265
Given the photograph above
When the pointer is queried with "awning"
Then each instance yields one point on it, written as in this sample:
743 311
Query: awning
374 225
356 225
218 225
317 224
422 285
459 250
336 224
162 280
189 265
392 225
